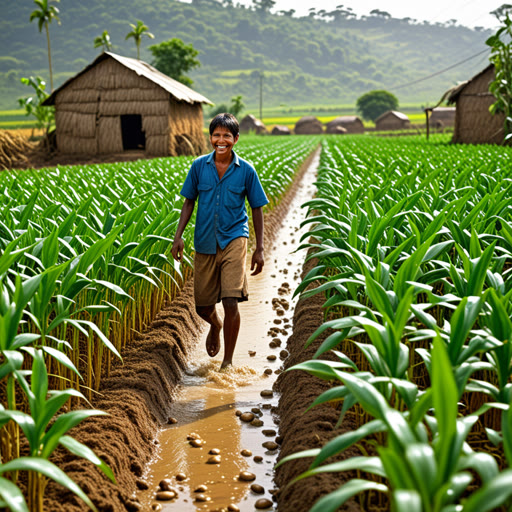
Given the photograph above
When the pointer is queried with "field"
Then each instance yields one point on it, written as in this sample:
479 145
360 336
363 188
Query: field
400 343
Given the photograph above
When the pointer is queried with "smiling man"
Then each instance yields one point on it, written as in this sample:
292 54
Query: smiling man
221 182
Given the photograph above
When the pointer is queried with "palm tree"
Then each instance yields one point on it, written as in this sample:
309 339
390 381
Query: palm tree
44 16
137 32
103 41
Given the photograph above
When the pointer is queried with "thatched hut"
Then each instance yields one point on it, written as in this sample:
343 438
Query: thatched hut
351 123
308 125
474 124
118 104
441 117
392 120
251 124
280 129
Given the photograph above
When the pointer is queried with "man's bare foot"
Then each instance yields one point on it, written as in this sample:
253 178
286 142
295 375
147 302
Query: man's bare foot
225 364
213 341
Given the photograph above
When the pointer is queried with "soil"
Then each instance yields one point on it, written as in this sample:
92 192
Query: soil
137 396
313 429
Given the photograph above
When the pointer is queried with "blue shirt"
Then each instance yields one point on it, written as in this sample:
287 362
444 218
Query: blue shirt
221 213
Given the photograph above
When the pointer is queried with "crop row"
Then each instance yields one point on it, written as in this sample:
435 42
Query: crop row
413 250
85 265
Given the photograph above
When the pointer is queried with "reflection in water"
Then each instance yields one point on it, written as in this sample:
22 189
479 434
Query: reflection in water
208 398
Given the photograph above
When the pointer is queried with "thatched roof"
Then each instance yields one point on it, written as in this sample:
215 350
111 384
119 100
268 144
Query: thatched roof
176 89
453 93
393 113
281 130
251 124
351 123
343 120
308 125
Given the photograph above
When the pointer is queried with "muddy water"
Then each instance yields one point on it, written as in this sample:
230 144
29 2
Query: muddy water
208 399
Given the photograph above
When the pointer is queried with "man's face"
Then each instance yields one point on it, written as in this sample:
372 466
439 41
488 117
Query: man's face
222 141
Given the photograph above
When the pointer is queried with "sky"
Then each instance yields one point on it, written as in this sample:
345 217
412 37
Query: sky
471 13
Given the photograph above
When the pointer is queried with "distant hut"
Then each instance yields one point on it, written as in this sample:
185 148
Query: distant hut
392 120
117 104
281 130
474 124
308 125
441 117
251 124
351 123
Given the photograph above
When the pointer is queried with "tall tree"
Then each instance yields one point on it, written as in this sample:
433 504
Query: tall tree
103 41
174 58
137 32
374 103
44 15
501 56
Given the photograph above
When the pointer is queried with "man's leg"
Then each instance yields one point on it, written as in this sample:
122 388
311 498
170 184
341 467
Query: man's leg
231 328
209 314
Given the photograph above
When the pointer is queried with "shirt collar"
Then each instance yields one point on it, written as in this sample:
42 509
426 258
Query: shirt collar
236 159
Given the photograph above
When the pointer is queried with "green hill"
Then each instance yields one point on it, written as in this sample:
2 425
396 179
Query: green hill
329 61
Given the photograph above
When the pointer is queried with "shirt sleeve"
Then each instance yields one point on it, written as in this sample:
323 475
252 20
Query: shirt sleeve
189 189
255 193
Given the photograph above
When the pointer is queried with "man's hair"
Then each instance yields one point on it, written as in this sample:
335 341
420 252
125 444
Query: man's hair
227 121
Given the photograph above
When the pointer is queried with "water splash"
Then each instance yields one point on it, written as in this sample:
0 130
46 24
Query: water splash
229 377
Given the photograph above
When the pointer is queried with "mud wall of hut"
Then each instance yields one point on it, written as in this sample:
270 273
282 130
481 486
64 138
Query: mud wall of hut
474 124
186 129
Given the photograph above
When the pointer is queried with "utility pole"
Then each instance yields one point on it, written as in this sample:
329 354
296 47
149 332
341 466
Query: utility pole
261 95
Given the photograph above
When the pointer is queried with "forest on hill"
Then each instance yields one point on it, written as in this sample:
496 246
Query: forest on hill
322 59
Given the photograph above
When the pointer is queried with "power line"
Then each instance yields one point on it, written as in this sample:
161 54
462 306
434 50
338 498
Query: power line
439 72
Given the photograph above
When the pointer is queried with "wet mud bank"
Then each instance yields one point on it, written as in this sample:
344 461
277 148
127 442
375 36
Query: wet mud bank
302 430
138 396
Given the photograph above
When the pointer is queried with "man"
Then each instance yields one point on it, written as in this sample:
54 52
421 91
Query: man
221 181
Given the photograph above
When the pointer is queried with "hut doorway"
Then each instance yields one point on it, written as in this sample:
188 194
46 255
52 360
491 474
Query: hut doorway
131 131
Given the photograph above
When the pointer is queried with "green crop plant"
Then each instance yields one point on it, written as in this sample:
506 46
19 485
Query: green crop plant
425 461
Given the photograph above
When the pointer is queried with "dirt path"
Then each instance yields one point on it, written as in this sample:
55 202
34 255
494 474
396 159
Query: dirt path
138 397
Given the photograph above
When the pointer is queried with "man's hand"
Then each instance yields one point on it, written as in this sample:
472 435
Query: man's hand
177 248
257 261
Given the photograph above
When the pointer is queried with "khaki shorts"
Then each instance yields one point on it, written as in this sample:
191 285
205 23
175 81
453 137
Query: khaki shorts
221 275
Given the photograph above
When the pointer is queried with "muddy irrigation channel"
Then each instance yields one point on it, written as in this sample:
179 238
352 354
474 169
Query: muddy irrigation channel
220 447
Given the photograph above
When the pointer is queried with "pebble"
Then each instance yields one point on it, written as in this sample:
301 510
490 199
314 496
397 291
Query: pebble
279 439
267 393
214 459
271 357
196 443
156 507
233 508
238 413
283 354
269 432
193 435
247 416
258 489
201 488
166 495
166 485
270 445
278 321
202 498
277 341
256 422
252 353
268 371
181 476
142 485
266 406
246 476
257 411
214 451
246 453
263 503
257 458
278 372
171 421
272 344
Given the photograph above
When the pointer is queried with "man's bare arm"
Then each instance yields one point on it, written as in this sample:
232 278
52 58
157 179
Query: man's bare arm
258 259
178 244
